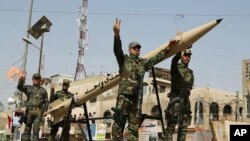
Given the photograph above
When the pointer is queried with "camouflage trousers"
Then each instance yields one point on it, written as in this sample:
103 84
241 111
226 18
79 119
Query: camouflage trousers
126 109
175 116
54 129
34 118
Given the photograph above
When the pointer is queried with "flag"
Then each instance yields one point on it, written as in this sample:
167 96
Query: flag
9 122
13 73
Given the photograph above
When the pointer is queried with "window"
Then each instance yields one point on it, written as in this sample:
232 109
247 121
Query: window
107 114
198 117
214 111
145 90
227 110
155 111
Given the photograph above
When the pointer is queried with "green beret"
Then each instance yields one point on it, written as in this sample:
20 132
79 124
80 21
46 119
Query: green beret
66 81
187 51
36 75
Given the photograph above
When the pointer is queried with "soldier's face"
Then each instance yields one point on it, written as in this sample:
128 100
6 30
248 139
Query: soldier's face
186 58
134 51
36 81
65 86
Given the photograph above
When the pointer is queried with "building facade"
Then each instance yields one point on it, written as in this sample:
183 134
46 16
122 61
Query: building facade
246 88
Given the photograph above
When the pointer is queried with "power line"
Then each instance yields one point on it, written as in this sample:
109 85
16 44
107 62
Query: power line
36 11
128 14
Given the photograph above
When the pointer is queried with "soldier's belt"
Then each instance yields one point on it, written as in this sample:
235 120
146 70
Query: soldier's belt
131 76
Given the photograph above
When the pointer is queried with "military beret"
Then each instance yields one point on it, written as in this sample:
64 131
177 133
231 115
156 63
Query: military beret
36 75
187 51
66 81
134 44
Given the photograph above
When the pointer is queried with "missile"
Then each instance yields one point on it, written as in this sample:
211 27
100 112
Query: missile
59 108
186 39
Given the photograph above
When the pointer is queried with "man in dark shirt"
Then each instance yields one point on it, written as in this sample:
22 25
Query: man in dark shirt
178 110
63 94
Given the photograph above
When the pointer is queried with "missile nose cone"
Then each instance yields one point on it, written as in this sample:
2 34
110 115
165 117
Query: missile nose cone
219 20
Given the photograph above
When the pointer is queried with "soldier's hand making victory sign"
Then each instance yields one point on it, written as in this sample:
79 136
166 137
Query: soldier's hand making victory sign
22 75
116 27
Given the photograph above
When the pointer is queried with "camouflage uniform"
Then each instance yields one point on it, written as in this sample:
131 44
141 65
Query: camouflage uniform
131 69
61 94
37 103
178 110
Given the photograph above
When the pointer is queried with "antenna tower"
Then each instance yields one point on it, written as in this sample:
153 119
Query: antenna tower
83 41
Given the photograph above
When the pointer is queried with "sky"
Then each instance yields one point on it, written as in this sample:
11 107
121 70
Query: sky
216 60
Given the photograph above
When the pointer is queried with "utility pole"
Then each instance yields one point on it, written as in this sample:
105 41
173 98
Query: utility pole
27 35
40 55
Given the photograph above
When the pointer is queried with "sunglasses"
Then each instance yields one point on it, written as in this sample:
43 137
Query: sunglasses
136 48
37 78
187 54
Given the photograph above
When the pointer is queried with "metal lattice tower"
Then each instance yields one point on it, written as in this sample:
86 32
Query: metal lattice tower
83 41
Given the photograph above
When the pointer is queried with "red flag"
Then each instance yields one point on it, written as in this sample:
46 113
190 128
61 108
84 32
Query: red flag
9 121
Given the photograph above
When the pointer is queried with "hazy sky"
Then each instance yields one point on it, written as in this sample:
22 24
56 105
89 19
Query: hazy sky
216 60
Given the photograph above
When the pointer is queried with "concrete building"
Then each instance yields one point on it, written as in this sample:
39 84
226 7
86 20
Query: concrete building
58 78
246 89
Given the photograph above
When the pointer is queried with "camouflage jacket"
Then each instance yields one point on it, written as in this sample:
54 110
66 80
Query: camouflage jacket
131 67
182 78
36 96
61 94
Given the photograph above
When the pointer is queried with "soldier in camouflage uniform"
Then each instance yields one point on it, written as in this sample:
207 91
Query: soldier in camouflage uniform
36 105
178 110
131 69
63 94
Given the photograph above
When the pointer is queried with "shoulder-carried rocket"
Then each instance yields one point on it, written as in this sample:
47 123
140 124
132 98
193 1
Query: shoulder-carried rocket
58 109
